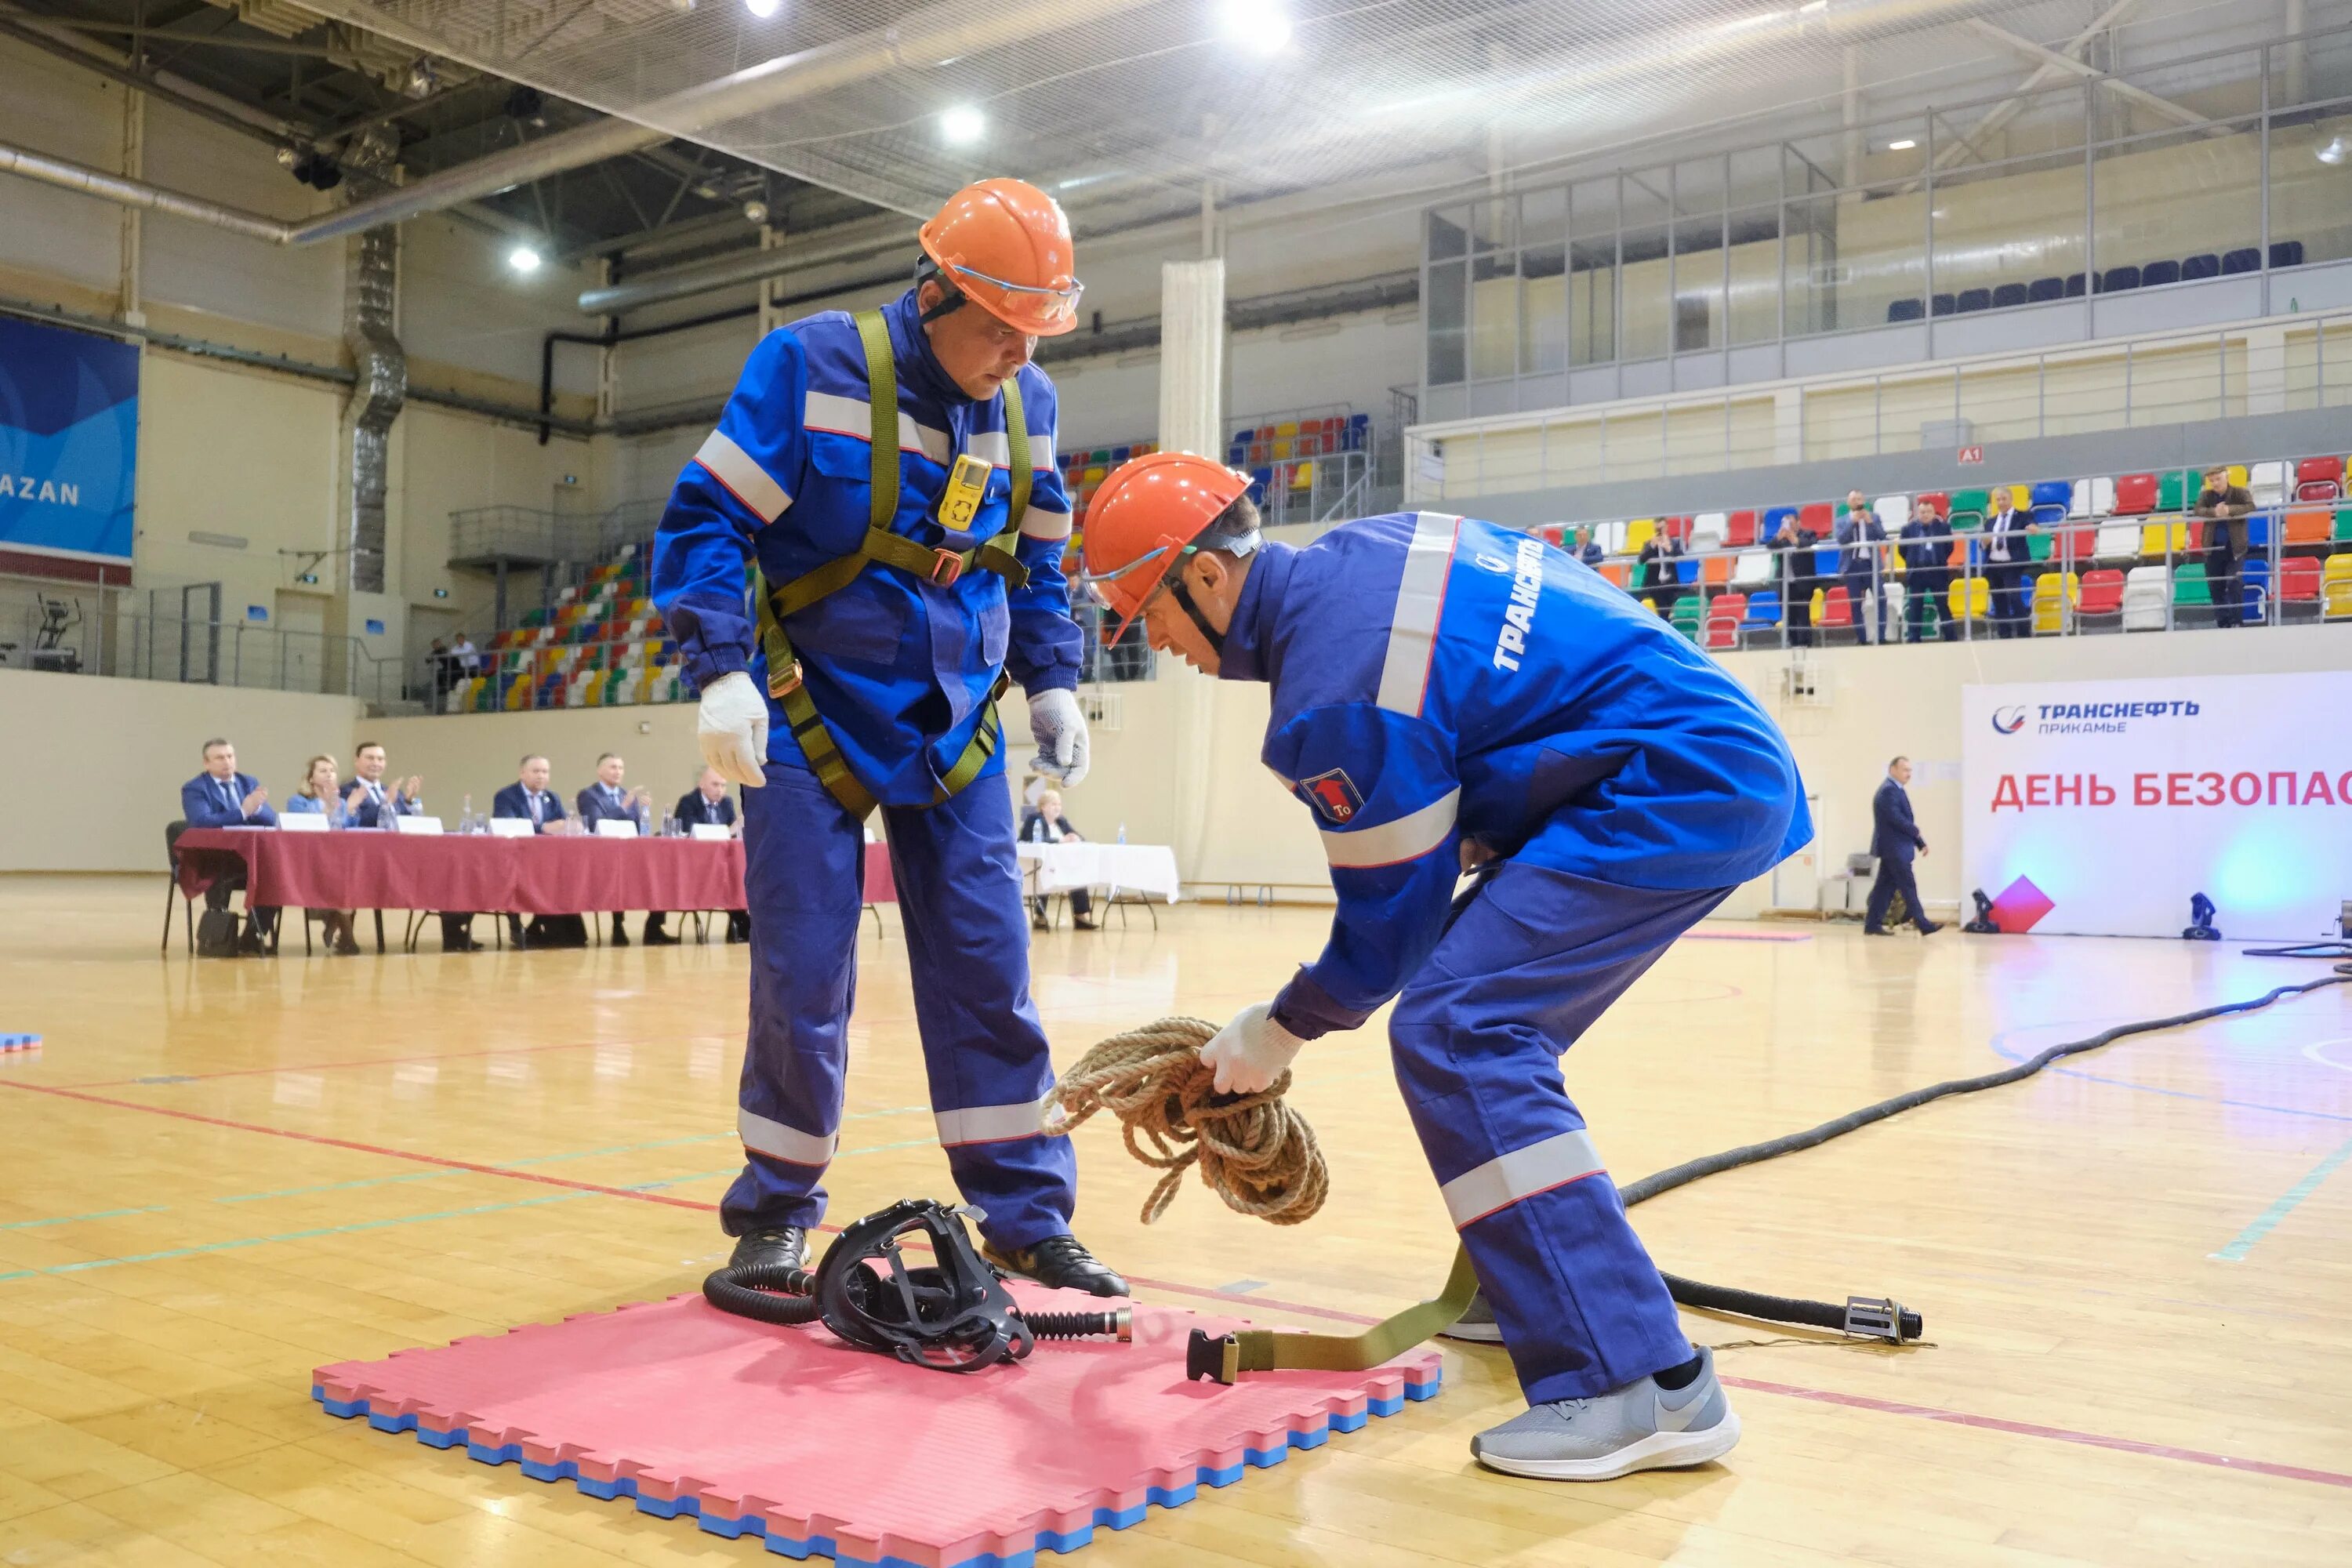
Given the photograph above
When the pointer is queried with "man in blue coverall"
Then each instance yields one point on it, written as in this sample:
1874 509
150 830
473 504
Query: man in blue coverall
891 477
1448 694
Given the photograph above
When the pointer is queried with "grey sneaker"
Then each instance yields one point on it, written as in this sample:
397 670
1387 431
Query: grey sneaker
1476 1325
1640 1426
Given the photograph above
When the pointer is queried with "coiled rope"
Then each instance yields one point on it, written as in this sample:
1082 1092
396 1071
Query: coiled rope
1252 1150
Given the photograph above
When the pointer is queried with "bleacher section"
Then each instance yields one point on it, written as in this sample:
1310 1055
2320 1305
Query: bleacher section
2113 281
2113 554
601 646
1280 454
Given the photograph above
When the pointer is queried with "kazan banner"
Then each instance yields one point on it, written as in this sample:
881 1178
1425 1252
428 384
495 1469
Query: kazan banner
68 452
2099 807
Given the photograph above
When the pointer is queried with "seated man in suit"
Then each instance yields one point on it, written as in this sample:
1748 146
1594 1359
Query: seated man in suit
373 801
530 798
1046 824
606 801
220 796
1894 837
705 806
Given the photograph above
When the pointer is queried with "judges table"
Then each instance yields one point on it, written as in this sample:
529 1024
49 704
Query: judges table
541 875
1115 867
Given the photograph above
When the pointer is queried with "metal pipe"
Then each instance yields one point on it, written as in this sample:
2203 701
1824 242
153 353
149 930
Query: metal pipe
940 32
730 271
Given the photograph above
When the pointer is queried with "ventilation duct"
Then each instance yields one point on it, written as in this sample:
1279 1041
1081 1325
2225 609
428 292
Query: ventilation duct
370 282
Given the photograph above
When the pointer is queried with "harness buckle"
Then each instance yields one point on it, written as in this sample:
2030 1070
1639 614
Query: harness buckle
947 565
783 686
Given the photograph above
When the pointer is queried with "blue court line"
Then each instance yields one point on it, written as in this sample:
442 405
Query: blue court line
2289 1200
73 1218
2094 1026
289 1236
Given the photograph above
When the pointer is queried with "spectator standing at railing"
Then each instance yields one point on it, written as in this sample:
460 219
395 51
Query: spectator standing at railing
1864 562
1658 575
1588 549
2226 509
1794 544
318 797
2007 555
1926 562
220 796
468 657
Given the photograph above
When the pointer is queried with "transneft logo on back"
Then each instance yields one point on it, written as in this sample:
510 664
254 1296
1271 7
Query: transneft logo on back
2008 720
2089 718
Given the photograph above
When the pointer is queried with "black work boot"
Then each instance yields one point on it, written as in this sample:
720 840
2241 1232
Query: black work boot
772 1245
1058 1261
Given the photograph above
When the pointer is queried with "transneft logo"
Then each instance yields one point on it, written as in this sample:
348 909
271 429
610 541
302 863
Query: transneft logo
2096 718
2008 720
1519 617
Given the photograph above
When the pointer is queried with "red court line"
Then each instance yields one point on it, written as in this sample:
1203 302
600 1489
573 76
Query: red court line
443 1161
2053 1433
375 1062
1790 1391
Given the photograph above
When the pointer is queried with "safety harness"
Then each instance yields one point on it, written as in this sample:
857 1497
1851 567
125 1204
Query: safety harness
967 484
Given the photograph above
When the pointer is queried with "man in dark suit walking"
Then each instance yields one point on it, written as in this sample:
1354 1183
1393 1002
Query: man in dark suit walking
1894 839
707 805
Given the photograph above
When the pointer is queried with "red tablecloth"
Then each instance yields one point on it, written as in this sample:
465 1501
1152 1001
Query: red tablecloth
544 875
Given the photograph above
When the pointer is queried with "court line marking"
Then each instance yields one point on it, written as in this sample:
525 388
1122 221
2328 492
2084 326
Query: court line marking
2288 1202
1791 1391
379 1061
2052 1433
2318 1051
2077 1073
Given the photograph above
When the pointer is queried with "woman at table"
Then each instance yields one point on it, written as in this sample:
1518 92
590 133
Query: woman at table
318 796
1045 825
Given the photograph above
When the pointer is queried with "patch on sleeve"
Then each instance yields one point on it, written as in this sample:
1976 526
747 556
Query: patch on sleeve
1334 795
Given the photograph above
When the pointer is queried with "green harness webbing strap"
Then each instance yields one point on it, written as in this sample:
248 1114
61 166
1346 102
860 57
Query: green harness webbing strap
881 544
1265 1350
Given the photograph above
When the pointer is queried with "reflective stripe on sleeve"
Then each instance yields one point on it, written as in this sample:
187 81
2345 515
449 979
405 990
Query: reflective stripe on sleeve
1043 523
1521 1173
853 416
779 1141
991 447
1390 842
1419 601
990 1123
745 479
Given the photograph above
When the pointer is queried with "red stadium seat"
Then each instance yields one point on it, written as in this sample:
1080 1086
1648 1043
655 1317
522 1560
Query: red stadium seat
2135 495
2299 578
1940 500
1739 531
1837 609
1552 532
1724 614
2319 479
2103 594
1817 518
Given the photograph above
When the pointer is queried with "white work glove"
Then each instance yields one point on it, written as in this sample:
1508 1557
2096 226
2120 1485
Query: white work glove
733 726
1252 1051
1060 730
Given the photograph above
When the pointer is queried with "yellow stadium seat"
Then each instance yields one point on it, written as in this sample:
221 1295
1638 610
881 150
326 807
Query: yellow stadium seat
2336 588
1970 596
2154 536
1820 605
1638 532
2054 592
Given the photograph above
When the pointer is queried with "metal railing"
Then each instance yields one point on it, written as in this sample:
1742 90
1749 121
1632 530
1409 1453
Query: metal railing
2248 369
523 535
131 645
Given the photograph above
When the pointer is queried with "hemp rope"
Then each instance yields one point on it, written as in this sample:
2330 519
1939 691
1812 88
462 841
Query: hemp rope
1254 1151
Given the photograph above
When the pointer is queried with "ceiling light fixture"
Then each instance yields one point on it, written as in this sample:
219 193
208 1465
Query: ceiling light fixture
962 125
1904 145
524 259
763 10
2332 152
1259 30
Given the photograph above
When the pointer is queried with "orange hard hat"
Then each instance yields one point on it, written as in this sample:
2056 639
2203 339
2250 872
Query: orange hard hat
1145 518
1005 246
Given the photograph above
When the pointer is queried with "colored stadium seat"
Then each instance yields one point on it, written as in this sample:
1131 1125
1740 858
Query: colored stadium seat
2267 481
2166 539
2299 578
2117 542
1941 502
1968 509
1973 299
2246 259
2101 606
2051 492
2157 273
2286 253
2308 527
1818 517
2148 594
1716 570
2116 280
2073 285
2043 290
1755 567
2319 479
1834 613
2344 525
1970 598
1687 614
1763 609
1896 310
1724 614
1943 304
1638 532
2335 589
2135 495
1709 530
2055 594
2192 595
2207 265
1740 530
1617 572
2008 295
1893 512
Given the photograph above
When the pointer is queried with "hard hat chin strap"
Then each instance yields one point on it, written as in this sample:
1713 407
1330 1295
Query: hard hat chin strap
1184 597
950 297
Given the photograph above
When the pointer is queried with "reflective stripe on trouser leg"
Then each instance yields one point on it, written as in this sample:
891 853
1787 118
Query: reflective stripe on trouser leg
803 876
968 954
1476 1038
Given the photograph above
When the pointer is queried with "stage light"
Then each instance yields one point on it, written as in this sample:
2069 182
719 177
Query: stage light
1983 924
1905 145
755 211
2344 921
962 125
1259 30
2332 152
524 259
763 10
2200 920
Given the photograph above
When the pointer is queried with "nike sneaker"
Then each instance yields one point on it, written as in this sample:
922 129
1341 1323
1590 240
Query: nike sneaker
1641 1426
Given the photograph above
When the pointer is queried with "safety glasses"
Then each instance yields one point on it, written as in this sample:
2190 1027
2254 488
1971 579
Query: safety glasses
1093 582
1059 301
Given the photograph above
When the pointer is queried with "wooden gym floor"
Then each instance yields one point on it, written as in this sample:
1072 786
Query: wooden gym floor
2136 1276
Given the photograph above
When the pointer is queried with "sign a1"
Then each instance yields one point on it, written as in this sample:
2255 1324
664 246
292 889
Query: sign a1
1971 455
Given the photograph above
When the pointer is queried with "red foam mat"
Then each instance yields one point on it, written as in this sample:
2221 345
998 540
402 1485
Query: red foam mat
788 1433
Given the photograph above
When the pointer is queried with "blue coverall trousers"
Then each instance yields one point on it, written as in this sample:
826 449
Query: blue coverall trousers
967 947
1536 957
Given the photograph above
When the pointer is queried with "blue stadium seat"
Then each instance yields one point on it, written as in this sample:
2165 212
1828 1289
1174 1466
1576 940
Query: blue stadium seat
2117 278
1237 455
1974 300
1359 430
2010 294
2247 259
2045 288
2205 266
2073 285
1943 305
1905 310
2286 253
2059 493
1763 609
1687 570
2157 272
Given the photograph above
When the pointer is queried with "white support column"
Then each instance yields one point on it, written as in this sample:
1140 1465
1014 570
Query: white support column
1192 356
1789 425
1850 114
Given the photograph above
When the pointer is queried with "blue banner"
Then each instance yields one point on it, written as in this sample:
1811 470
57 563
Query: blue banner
69 449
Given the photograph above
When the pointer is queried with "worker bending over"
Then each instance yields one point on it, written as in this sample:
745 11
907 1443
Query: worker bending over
1447 694
891 477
